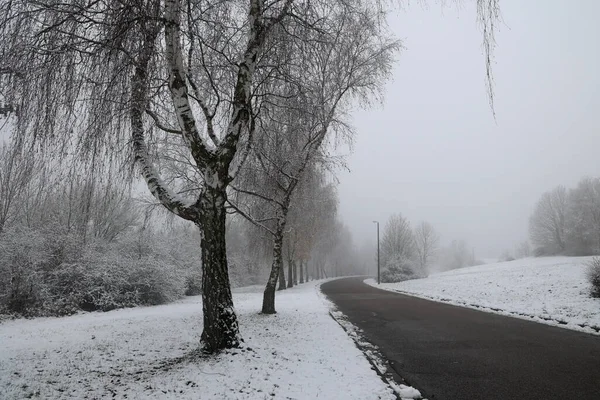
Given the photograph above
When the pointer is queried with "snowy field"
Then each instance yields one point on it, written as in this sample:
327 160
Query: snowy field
299 353
552 290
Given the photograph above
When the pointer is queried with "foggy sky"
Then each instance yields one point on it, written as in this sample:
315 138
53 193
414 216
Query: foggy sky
434 151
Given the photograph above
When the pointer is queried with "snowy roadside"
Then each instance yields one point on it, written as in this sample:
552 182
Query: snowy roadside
376 358
552 290
299 353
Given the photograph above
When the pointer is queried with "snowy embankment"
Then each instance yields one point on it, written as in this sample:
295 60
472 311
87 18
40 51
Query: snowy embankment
551 290
299 353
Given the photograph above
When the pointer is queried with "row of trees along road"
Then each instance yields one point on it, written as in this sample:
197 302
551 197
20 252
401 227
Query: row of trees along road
74 240
200 93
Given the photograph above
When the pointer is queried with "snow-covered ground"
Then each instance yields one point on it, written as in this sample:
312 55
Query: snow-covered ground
375 356
552 290
299 353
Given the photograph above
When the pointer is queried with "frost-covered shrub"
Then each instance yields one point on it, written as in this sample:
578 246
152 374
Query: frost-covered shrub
50 273
28 260
193 283
176 249
593 274
400 269
108 282
60 246
88 287
22 253
155 282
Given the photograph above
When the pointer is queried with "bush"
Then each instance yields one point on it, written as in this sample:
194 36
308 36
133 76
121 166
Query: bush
45 273
593 274
84 287
22 253
400 269
193 283
105 283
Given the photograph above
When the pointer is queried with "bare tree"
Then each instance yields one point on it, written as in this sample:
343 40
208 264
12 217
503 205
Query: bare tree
397 240
102 69
426 243
399 256
582 224
547 223
343 55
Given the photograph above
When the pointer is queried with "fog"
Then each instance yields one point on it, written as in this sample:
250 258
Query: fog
434 150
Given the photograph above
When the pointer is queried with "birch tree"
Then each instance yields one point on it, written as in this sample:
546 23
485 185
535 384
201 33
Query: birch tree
117 72
311 221
344 55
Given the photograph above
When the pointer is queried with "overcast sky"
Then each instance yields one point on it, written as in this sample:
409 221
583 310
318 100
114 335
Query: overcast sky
434 151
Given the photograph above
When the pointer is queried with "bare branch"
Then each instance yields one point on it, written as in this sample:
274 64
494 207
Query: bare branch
159 125
249 218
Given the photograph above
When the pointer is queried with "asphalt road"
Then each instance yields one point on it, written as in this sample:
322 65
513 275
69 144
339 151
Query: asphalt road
456 353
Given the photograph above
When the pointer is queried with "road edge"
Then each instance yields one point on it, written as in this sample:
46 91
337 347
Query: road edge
379 363
583 328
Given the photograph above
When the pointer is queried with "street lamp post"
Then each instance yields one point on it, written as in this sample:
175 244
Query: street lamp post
378 269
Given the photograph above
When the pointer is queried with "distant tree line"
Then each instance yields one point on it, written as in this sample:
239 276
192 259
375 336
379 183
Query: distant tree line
412 253
567 221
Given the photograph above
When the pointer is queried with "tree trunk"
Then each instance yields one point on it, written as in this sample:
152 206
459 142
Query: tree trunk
306 275
268 306
323 272
306 268
290 282
281 278
301 272
317 270
221 328
295 271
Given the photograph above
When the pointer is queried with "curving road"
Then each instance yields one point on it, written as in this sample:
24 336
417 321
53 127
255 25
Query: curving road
456 353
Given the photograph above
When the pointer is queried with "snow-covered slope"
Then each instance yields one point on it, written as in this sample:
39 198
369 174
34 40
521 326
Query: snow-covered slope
299 353
553 290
